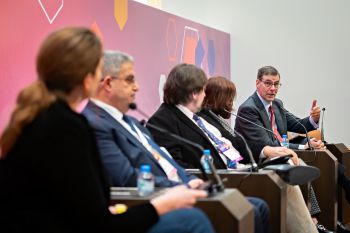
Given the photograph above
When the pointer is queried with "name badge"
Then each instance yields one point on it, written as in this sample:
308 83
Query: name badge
170 171
230 152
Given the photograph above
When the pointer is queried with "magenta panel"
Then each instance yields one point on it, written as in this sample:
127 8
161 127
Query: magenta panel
157 40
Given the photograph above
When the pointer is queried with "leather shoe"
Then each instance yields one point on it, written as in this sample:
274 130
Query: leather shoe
295 175
321 228
341 228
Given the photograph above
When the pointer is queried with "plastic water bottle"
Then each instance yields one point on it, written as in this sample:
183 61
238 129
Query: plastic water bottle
205 160
145 181
285 141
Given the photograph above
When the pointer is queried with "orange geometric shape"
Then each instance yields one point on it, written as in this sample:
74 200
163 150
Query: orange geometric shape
121 12
189 44
190 50
96 29
171 39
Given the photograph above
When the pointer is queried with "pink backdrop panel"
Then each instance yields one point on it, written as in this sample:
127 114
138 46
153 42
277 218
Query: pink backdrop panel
157 40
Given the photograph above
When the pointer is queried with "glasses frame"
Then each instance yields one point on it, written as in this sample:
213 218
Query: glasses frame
269 84
129 79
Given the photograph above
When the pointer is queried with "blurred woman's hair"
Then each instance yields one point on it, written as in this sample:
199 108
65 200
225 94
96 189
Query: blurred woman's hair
65 58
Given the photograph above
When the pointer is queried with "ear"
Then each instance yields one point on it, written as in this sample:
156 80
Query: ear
257 81
106 82
194 96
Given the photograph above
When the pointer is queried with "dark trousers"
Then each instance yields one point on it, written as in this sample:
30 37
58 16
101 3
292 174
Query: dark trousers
262 214
183 221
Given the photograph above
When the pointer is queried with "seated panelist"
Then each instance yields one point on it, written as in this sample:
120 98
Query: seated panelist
123 143
264 109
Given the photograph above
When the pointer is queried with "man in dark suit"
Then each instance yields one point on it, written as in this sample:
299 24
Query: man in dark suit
264 109
123 143
259 107
182 98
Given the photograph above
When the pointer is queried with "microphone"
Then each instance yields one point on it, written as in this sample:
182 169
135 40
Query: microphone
219 185
307 135
254 166
245 119
133 106
278 164
322 133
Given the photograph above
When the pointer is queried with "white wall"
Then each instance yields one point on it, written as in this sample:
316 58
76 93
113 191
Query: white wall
306 40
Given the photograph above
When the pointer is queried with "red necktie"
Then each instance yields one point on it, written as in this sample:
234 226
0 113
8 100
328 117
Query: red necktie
272 121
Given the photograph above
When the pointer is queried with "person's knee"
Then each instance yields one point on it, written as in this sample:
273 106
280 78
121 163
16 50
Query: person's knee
260 206
191 215
191 221
262 214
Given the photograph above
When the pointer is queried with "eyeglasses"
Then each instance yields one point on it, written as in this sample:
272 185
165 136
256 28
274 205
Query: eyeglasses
129 79
269 84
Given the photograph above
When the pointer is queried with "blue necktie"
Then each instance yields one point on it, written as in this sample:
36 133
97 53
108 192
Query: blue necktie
217 142
129 122
155 147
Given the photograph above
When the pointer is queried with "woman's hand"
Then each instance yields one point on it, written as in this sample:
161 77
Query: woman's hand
176 198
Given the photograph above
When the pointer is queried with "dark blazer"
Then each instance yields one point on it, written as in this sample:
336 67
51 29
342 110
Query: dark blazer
52 180
122 154
169 117
172 119
253 110
236 141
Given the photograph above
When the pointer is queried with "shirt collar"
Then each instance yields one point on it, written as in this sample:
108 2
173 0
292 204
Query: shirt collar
114 112
264 102
185 111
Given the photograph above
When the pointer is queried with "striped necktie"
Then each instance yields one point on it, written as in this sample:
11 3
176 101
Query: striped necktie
273 124
217 142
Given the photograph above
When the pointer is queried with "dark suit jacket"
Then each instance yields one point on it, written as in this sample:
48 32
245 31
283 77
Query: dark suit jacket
253 110
123 154
172 119
236 141
53 180
169 117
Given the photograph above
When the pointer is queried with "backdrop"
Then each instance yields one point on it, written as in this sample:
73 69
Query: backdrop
157 40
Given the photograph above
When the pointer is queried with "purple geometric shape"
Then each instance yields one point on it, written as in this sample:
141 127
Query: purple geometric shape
199 53
211 57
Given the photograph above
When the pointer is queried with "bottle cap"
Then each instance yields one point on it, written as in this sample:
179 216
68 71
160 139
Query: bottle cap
145 168
284 136
206 152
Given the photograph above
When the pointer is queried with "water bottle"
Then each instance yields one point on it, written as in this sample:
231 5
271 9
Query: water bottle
285 141
205 160
145 181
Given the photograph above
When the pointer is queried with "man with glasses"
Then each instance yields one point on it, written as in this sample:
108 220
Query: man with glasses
123 143
264 109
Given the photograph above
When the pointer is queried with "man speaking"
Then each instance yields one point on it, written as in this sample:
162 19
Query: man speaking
264 109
